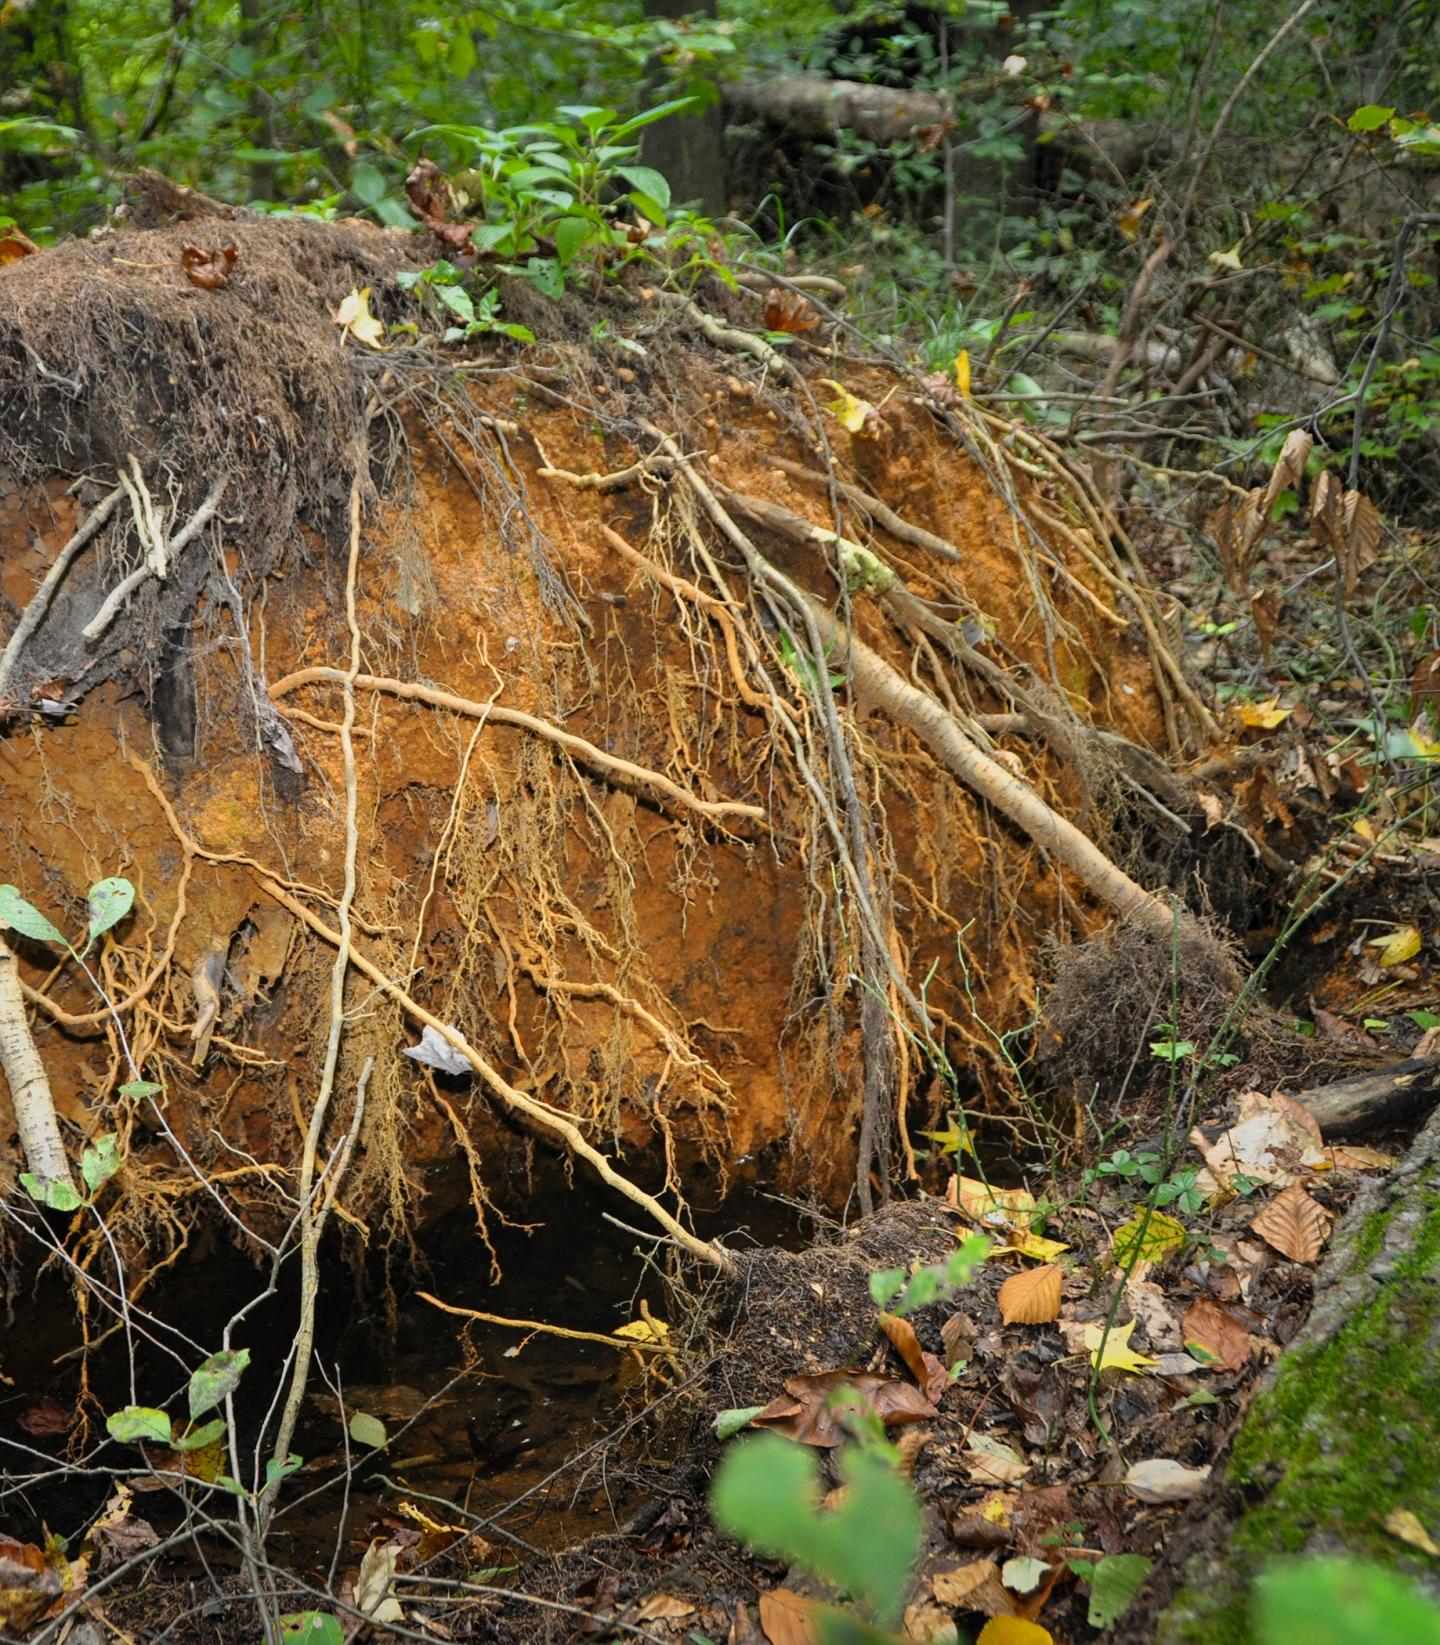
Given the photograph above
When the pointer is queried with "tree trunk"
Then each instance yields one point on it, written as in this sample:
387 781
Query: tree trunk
688 149
1343 1432
813 106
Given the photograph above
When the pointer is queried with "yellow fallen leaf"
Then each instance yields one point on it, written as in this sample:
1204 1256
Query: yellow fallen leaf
1031 1297
1113 1352
355 318
952 1140
1033 1245
1148 1238
1264 716
644 1330
1128 222
962 373
1227 259
848 409
1014 1630
1407 1526
1397 946
995 1207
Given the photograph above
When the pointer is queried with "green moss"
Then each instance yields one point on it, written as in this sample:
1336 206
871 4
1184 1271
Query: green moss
1347 1433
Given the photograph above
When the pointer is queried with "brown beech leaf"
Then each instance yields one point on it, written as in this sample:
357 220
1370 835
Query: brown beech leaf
1358 545
788 1618
1289 467
1295 1224
1327 501
927 1370
974 1587
813 1409
210 270
1212 1326
1031 1297
664 1608
46 1418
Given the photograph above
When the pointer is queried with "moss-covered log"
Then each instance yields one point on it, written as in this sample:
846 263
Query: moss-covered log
1343 1434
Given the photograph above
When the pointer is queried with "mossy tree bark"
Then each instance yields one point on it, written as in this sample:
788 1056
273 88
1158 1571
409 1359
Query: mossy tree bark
1344 1432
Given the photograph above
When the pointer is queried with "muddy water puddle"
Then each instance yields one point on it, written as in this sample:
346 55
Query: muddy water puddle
492 1421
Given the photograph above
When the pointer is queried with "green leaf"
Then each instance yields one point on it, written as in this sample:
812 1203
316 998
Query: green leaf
460 59
276 1471
1369 118
368 1430
311 1628
100 1161
24 917
766 1493
571 236
885 1284
54 1196
1118 1578
198 1438
545 275
457 300
138 1090
729 1423
217 1378
653 212
137 1423
1341 1602
109 901
648 181
368 184
677 105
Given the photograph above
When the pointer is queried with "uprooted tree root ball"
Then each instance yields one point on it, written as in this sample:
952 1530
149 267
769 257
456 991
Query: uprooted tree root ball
655 664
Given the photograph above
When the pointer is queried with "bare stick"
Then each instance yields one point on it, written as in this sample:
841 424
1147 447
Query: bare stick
29 1086
582 750
313 1218
33 613
625 1343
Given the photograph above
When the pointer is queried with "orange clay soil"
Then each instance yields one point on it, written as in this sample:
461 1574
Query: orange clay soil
683 985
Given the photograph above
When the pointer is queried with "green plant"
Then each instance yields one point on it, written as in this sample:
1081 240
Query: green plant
1341 1602
551 193
900 1291
469 315
767 1495
1178 1188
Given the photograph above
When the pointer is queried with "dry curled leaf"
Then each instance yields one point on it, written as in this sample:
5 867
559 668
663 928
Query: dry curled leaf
812 1410
355 318
1296 1225
1031 1297
210 270
789 311
14 245
1358 545
1161 1480
1409 1527
927 1370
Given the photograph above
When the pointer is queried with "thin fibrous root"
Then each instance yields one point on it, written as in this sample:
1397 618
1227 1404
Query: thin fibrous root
540 1114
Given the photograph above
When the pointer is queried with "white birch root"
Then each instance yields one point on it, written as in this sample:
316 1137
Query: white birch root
29 1085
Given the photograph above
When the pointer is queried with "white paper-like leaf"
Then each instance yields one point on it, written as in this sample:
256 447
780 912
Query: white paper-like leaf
1161 1480
435 1051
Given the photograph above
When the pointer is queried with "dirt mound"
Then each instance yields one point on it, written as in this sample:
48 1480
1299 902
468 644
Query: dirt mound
698 767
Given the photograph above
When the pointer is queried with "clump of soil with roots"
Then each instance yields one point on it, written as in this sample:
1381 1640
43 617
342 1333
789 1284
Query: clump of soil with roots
688 744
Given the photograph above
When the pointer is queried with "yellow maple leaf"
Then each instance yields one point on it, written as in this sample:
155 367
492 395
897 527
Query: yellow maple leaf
1397 946
962 373
355 318
1113 1352
954 1139
848 409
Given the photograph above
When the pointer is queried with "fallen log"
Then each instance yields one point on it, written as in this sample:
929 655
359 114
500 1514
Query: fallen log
1379 1097
816 107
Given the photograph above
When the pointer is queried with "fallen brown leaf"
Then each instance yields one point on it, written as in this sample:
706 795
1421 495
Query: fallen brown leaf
664 1608
813 1408
1295 1225
1031 1297
927 1370
210 270
1212 1326
788 1618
